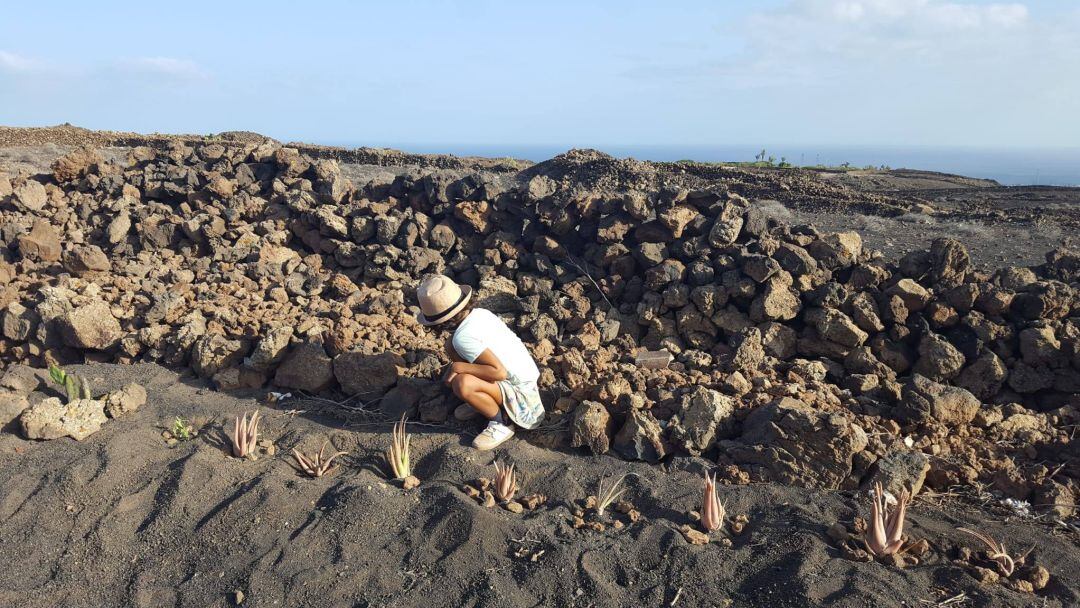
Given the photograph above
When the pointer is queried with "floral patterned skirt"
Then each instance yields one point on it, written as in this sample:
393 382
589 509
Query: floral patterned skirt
522 403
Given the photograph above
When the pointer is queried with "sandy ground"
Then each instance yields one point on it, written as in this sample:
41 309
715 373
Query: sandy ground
122 519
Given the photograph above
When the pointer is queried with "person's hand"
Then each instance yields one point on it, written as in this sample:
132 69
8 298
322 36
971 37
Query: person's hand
451 371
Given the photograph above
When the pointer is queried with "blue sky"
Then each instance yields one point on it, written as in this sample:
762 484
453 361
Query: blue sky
870 72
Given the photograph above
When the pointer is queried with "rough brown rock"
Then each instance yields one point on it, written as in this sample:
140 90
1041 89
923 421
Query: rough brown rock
91 326
899 470
42 243
307 367
938 359
128 399
12 405
86 258
368 375
701 414
30 196
641 438
52 419
950 405
213 353
590 427
790 442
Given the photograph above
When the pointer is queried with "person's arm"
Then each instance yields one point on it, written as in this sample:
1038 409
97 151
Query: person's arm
451 351
486 367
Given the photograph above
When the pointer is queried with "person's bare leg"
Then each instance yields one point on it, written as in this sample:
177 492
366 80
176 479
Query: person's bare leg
484 397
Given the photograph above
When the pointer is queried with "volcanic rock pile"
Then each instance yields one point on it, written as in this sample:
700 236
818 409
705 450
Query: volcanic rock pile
800 357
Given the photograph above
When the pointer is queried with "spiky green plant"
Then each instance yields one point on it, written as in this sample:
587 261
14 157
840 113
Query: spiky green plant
76 387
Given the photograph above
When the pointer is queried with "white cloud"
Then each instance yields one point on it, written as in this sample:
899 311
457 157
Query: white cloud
897 71
915 13
816 42
169 67
158 68
12 62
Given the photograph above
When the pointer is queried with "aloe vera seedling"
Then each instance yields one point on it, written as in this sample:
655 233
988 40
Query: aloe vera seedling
605 495
997 553
505 482
398 455
712 510
244 435
317 465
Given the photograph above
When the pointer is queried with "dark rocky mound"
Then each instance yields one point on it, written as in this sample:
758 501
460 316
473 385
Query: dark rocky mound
245 137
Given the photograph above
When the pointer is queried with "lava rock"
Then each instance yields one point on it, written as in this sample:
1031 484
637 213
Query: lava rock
790 442
42 243
899 470
368 375
91 326
923 398
87 258
938 359
405 398
214 352
307 367
702 413
641 437
12 405
128 399
590 427
52 419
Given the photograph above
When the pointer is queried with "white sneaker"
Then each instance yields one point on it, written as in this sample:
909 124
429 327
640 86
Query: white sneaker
493 436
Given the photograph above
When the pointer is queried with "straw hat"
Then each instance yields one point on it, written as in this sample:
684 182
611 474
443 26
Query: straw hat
440 299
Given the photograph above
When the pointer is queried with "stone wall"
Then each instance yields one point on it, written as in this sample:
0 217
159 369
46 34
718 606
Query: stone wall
254 264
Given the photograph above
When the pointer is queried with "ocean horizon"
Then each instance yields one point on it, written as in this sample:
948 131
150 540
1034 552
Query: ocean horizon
1007 166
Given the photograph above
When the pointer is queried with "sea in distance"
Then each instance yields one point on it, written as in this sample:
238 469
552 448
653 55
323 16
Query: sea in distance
1008 166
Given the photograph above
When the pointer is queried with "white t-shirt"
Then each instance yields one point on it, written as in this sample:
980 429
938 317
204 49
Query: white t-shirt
482 330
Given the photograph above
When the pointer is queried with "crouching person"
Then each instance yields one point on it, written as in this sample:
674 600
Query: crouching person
492 371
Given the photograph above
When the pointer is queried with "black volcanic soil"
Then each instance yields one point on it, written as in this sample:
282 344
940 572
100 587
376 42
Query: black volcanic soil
121 519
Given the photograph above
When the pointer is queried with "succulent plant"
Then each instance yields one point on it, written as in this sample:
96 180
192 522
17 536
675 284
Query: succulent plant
399 451
996 552
505 482
76 387
244 435
712 510
181 429
318 465
886 527
608 495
